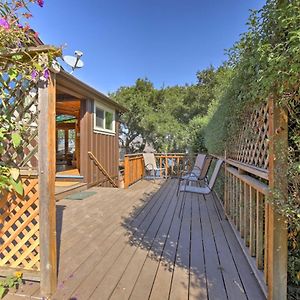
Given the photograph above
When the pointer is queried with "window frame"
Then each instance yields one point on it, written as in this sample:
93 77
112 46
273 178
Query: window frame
105 109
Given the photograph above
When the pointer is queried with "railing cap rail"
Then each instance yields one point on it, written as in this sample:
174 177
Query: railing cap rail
260 172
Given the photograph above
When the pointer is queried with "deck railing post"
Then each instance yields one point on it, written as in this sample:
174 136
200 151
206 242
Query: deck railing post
46 173
126 172
277 229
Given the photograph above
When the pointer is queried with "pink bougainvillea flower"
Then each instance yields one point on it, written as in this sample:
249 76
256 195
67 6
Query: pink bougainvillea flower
4 24
46 74
34 74
40 3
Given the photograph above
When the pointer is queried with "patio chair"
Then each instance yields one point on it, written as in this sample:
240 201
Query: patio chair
208 186
201 174
203 190
151 166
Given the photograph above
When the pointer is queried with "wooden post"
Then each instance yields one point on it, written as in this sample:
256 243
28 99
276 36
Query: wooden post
46 173
126 172
77 145
277 229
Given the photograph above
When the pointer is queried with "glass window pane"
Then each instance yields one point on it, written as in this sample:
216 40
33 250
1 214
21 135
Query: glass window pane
60 140
72 137
108 120
99 117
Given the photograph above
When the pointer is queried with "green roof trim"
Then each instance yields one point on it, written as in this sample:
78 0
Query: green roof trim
65 119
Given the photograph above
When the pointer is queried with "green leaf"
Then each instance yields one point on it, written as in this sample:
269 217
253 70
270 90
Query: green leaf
17 57
16 139
12 73
2 292
17 186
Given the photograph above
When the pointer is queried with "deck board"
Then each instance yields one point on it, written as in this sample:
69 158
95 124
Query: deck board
198 284
134 244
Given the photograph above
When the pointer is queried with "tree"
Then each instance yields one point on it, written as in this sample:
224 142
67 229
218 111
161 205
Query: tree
136 99
164 117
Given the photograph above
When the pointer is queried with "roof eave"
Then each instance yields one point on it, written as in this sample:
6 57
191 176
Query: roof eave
86 91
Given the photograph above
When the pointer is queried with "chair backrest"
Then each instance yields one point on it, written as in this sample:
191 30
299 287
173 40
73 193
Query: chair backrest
205 167
149 161
200 159
215 173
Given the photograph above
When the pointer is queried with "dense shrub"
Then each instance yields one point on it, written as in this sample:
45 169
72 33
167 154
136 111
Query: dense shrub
264 63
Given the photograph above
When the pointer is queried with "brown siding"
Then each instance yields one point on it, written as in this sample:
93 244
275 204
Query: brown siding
104 147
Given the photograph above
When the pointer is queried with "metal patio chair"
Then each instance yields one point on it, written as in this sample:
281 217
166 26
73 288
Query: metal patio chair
203 190
151 169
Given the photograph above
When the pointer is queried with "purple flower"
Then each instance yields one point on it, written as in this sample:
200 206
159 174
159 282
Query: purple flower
4 23
40 3
46 74
34 74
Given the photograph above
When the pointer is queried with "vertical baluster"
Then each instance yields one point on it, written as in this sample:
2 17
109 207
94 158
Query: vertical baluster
252 221
167 165
160 165
266 236
259 230
226 190
238 203
241 212
247 214
231 196
234 199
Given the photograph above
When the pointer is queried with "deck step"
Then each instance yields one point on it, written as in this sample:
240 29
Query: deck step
75 178
63 193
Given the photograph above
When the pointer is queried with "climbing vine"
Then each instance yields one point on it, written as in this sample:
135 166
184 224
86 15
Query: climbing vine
18 65
265 63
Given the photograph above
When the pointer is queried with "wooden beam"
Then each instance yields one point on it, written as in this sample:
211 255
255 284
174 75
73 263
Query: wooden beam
46 174
277 227
65 126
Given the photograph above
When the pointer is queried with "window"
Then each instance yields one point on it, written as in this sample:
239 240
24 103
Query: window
104 118
99 118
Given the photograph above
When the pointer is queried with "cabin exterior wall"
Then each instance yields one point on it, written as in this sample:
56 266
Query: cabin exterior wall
105 148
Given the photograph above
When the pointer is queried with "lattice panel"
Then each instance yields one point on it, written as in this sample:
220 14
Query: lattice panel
19 215
252 143
19 228
19 99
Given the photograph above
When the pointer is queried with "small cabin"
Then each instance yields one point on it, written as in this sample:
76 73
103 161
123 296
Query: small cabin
87 134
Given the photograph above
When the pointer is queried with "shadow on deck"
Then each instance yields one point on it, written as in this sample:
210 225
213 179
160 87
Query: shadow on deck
133 244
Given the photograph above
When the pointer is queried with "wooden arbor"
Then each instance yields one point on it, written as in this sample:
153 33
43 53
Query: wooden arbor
28 221
255 179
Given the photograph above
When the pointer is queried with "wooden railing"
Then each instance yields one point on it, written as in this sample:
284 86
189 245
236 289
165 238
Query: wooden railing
247 201
251 195
245 193
134 168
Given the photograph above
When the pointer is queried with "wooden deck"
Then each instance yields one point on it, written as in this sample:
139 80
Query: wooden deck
132 244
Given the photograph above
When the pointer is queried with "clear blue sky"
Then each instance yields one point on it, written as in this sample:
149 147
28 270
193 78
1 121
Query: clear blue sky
167 41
